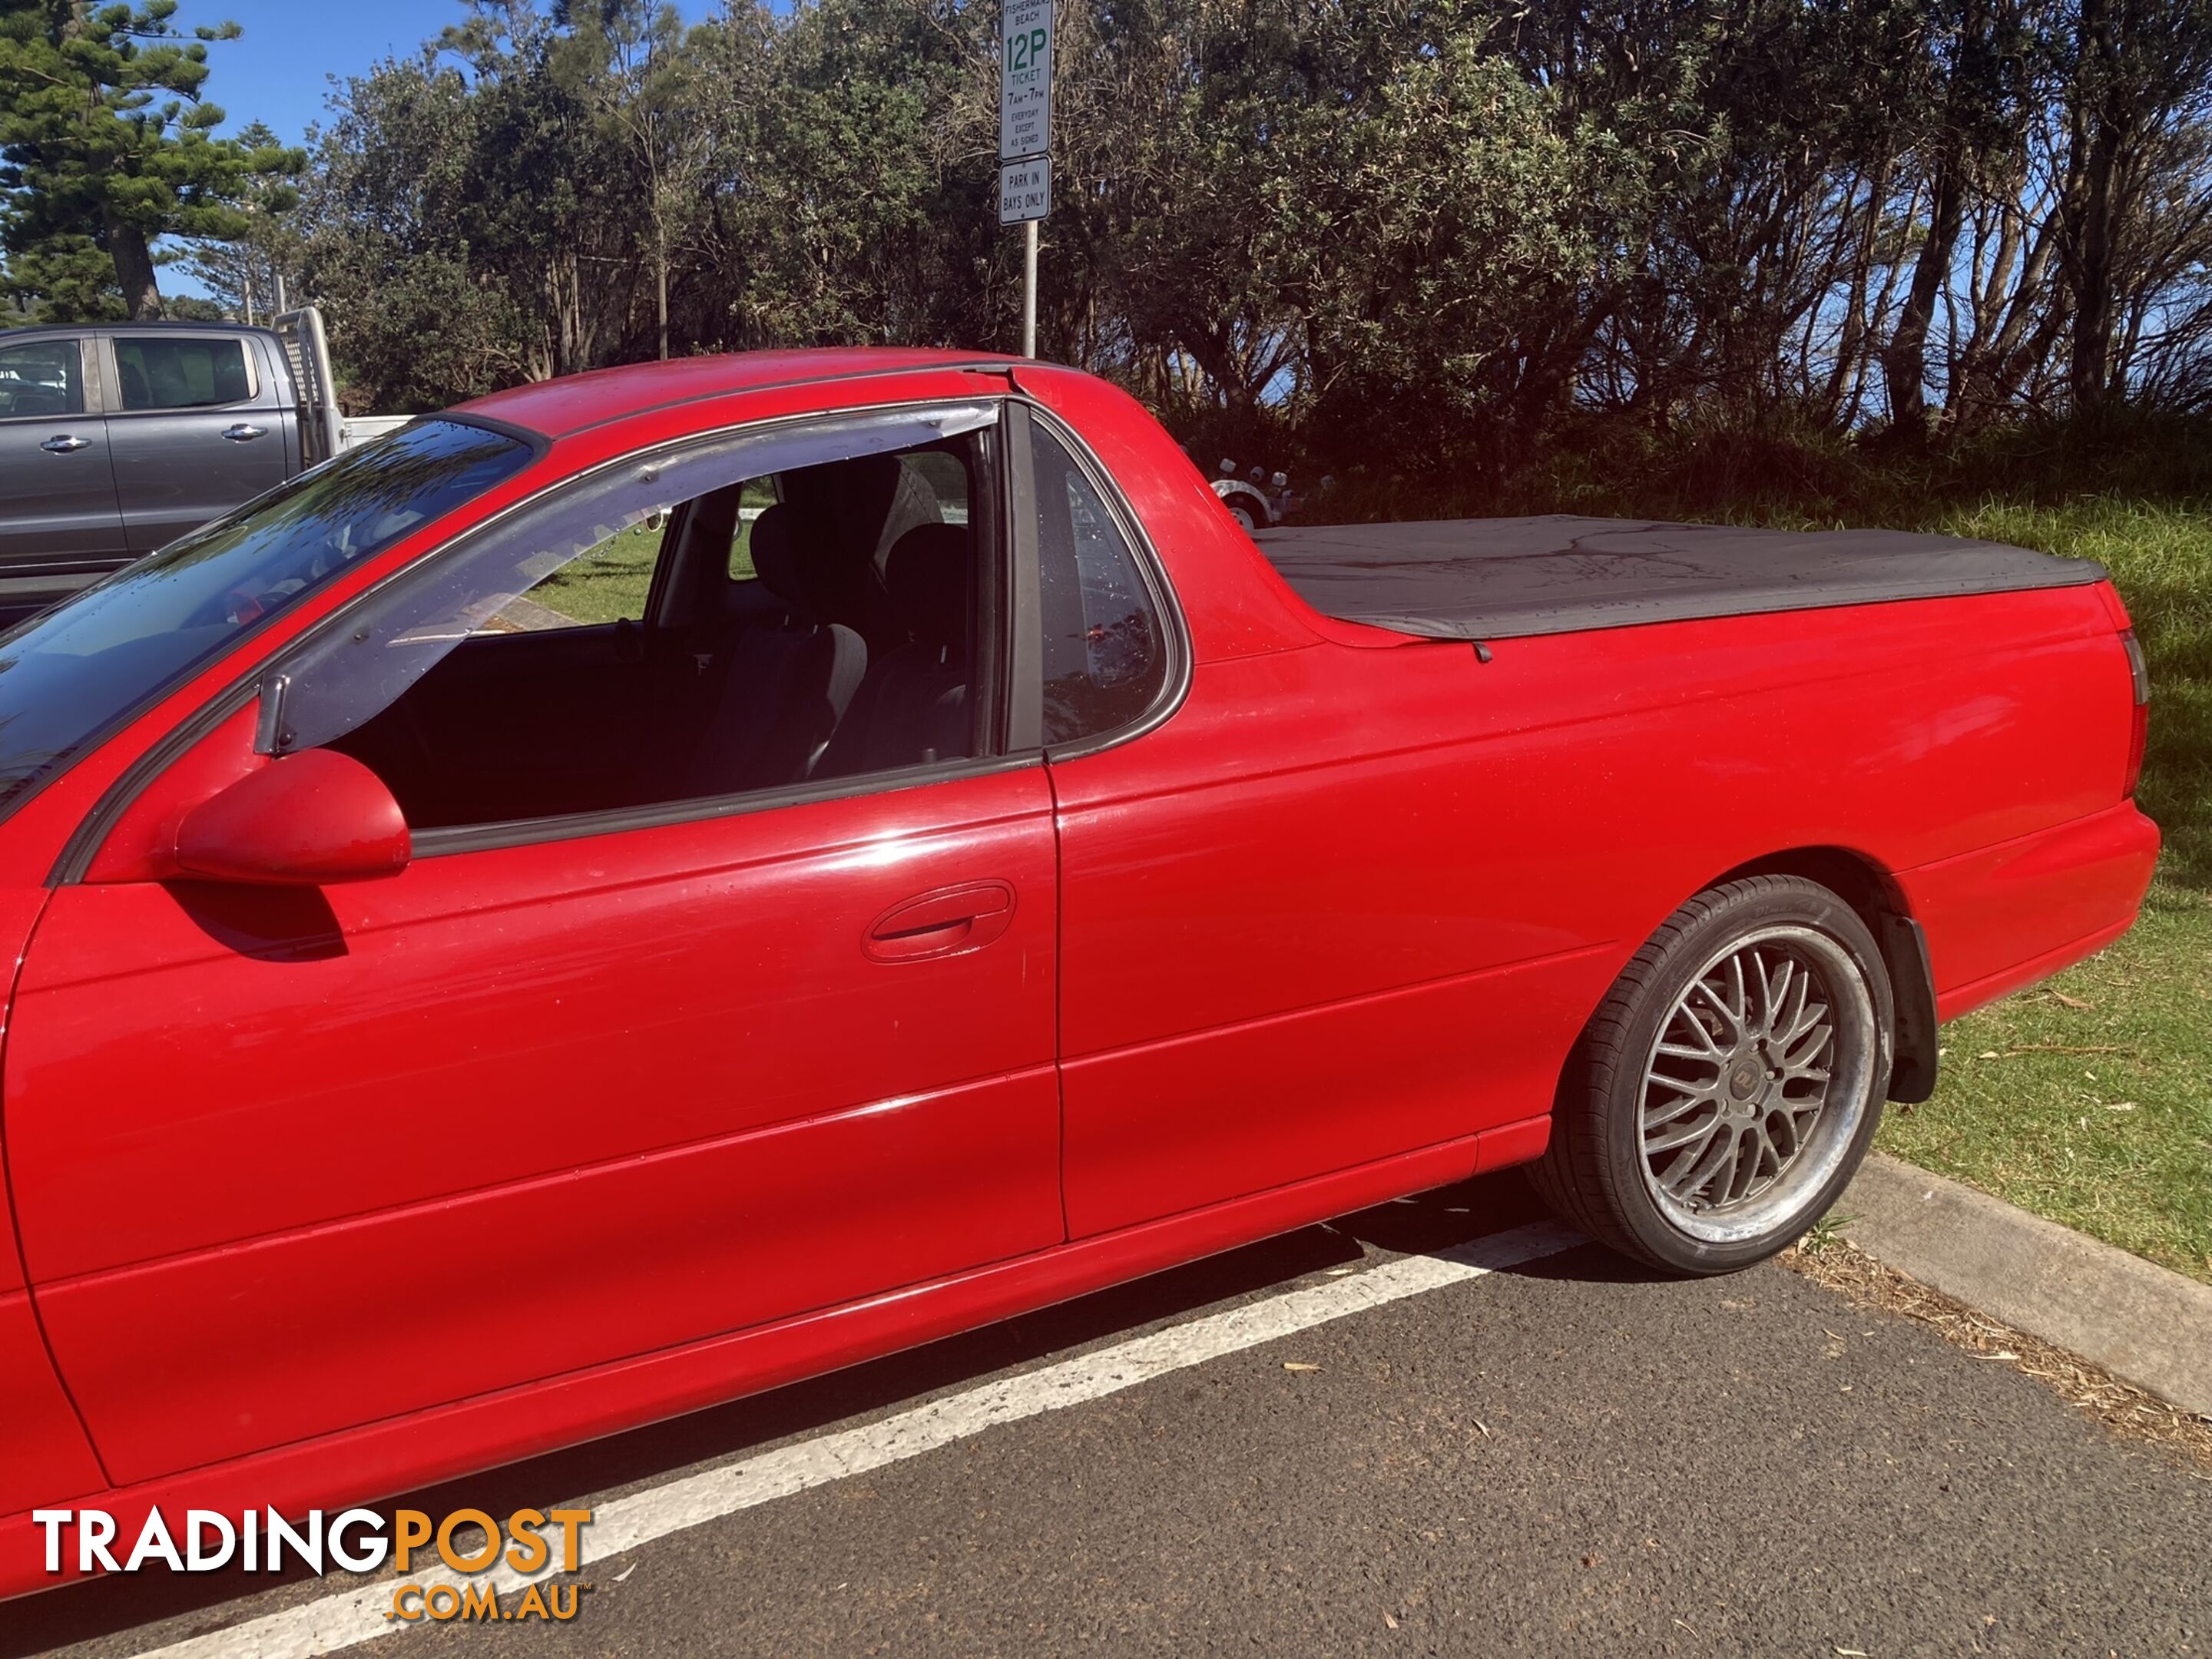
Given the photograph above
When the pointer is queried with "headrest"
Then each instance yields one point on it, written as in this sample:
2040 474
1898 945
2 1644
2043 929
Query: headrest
777 560
927 576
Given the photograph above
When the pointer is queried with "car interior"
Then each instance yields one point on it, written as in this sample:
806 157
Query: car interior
40 378
160 374
822 624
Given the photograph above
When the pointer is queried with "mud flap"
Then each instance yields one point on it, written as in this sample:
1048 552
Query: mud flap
1912 988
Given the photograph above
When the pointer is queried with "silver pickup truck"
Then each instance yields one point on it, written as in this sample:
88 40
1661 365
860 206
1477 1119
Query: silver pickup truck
116 438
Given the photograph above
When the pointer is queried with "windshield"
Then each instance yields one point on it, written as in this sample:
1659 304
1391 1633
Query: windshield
69 677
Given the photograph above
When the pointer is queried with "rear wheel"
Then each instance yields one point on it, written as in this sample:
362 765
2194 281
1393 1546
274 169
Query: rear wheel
1726 1090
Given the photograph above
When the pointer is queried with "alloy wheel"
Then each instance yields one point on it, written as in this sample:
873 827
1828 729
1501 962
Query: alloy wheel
1756 1083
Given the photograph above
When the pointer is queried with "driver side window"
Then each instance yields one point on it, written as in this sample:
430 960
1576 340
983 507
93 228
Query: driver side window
604 651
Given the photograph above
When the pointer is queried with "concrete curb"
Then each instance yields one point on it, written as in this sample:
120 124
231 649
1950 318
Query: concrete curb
2138 1320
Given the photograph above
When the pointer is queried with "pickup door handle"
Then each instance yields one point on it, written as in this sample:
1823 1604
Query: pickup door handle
242 433
65 445
944 923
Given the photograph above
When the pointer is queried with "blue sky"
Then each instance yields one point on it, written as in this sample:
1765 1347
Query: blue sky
279 71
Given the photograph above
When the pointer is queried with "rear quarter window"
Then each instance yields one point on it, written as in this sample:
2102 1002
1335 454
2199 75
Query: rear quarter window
1105 648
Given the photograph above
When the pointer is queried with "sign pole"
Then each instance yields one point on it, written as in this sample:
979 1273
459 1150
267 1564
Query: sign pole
1025 137
1029 287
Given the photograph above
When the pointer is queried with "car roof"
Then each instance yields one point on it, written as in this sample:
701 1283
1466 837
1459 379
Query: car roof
560 407
174 324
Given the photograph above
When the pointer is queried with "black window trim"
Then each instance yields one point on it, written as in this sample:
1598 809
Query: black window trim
988 467
1024 698
1175 630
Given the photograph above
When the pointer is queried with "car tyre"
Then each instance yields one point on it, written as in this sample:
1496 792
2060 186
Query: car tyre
1726 1090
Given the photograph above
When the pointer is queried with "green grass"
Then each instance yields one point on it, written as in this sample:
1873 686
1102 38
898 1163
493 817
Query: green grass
741 544
2088 1099
607 583
610 581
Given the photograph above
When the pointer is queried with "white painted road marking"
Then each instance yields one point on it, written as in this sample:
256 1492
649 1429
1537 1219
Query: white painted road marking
330 1623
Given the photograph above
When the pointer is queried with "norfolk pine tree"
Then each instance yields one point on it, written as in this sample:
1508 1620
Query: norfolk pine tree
105 145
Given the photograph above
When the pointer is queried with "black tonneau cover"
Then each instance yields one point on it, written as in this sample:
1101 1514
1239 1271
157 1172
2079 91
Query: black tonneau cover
1502 578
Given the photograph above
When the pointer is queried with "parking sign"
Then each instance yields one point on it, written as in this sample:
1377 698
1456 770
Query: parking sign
1025 190
1025 79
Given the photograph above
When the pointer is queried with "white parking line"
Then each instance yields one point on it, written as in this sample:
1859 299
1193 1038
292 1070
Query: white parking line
351 1617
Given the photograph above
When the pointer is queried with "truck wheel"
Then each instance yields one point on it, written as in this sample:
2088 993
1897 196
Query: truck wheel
1245 513
1729 1085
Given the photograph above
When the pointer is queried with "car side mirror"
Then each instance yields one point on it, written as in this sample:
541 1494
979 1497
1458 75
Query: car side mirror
311 818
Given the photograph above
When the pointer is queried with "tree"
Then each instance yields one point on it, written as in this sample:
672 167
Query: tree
625 59
65 278
256 274
1980 50
417 316
104 137
550 207
1414 234
2139 68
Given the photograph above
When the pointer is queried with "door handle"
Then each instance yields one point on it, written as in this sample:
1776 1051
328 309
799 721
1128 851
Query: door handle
947 922
65 445
242 433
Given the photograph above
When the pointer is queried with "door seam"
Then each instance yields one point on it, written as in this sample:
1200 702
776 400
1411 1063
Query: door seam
16 1209
1058 990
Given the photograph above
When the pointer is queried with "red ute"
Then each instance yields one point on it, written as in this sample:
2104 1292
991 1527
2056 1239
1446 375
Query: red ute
653 885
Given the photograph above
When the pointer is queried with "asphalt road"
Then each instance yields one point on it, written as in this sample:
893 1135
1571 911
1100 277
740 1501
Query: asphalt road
1561 1458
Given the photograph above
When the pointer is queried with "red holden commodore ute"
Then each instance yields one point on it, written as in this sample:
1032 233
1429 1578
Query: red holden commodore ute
649 886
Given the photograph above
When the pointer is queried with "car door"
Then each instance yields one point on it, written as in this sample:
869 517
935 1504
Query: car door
195 427
560 1092
59 525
